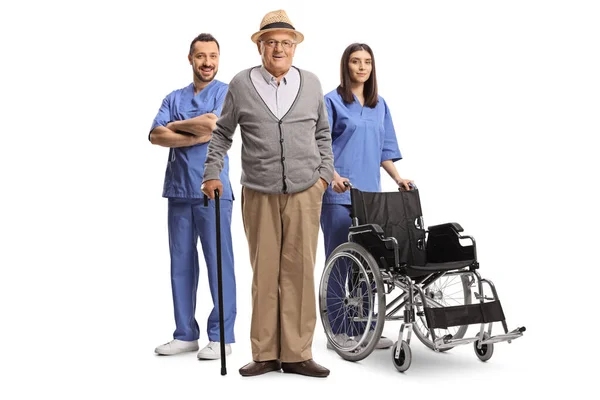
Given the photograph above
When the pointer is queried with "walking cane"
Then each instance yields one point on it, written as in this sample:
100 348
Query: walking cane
219 280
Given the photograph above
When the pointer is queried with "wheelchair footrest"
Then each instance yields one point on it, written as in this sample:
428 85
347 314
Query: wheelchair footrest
512 335
441 343
479 313
444 343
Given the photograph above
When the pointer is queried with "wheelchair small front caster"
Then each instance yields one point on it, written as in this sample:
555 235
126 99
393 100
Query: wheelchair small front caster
485 352
402 363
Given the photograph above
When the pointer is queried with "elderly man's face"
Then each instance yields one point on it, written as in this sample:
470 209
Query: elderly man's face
277 51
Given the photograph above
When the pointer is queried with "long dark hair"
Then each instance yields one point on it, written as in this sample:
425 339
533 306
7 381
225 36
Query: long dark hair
345 88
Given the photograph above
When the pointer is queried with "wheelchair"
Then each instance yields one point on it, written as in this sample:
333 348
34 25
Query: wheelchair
440 293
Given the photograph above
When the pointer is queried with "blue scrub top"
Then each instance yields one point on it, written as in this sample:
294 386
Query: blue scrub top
185 166
362 138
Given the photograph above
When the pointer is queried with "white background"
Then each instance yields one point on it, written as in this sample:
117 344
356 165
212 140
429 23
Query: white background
496 106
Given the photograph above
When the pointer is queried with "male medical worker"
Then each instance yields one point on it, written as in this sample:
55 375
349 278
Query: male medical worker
184 124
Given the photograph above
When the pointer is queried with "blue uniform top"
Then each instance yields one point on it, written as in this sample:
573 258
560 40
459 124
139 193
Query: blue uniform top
362 138
185 167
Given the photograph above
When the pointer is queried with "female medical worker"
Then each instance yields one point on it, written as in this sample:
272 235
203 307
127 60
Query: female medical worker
363 139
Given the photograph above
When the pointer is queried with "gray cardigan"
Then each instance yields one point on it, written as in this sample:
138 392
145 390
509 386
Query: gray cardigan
286 155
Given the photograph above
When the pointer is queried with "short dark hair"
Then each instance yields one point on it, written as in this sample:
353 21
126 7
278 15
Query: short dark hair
204 37
345 88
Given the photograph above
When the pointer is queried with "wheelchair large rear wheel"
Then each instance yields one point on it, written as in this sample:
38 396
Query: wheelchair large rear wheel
446 291
352 301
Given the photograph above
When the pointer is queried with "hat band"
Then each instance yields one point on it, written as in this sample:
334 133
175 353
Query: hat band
278 25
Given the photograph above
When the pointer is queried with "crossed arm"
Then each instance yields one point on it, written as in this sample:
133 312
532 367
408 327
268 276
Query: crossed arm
185 133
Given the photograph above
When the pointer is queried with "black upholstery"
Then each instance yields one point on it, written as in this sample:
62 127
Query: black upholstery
443 244
397 213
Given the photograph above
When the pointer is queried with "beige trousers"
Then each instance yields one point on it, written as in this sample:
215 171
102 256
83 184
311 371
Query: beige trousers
282 232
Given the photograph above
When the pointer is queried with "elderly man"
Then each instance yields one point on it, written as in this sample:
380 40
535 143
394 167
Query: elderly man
287 163
184 124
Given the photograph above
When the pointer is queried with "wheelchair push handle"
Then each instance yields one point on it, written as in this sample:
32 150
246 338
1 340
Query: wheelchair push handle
411 185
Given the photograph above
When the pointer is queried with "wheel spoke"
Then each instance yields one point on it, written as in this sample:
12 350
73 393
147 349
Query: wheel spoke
445 291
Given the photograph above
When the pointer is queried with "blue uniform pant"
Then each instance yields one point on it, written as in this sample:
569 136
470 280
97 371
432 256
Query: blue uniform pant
188 221
335 221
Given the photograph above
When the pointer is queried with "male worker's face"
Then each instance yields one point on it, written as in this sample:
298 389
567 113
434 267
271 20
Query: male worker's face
277 51
204 60
360 66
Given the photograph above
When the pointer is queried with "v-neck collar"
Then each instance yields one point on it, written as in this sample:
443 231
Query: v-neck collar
263 101
357 101
193 89
360 108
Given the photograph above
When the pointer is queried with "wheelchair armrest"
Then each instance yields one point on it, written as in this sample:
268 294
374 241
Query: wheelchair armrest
443 244
452 225
366 228
374 230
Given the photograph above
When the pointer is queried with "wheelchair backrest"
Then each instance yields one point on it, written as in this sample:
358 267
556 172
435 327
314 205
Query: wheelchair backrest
399 215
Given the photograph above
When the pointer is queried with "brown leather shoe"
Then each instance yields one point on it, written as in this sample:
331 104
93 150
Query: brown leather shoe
260 367
308 368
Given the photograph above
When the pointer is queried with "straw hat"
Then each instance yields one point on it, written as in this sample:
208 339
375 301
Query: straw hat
276 21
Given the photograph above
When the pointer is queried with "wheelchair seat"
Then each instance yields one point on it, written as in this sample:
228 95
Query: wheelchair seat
416 270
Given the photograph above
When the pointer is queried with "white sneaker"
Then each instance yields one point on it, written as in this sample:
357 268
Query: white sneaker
384 343
343 340
176 346
212 351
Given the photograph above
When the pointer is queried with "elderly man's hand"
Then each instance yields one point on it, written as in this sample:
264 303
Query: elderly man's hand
325 184
209 187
